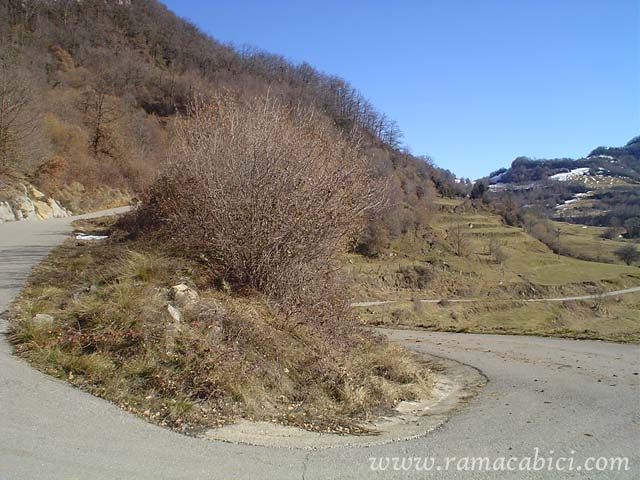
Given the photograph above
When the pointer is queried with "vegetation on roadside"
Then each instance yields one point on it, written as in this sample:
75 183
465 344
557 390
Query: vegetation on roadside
231 355
222 295
268 194
611 319
218 298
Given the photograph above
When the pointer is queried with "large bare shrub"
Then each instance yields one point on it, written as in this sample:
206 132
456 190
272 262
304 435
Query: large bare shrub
267 192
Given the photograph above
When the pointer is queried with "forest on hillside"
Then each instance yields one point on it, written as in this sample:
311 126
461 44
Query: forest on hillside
93 88
601 189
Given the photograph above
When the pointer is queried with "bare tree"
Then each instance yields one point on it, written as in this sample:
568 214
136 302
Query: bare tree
529 221
18 117
628 254
459 240
100 113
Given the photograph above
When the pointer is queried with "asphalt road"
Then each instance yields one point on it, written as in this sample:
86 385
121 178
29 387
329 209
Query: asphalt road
546 394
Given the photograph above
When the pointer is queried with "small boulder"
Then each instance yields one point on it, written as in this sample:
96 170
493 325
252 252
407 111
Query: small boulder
58 211
33 192
173 328
43 210
24 208
183 295
176 314
6 213
43 319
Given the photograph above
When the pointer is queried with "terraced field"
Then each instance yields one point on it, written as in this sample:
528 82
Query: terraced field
424 264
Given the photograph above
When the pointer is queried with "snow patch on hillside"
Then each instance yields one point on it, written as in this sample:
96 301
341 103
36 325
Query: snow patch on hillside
497 178
572 175
576 198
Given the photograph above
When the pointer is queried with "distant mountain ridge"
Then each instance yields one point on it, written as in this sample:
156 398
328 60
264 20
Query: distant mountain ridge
602 188
603 162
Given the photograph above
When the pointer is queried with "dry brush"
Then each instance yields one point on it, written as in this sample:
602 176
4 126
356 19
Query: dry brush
268 194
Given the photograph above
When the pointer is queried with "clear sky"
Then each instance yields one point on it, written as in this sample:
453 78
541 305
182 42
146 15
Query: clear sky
472 83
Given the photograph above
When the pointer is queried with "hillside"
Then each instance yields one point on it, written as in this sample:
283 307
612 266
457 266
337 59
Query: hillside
601 189
601 166
469 253
253 175
97 87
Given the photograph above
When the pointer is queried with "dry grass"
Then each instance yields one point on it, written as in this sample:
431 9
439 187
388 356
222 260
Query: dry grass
530 270
232 355
587 242
608 319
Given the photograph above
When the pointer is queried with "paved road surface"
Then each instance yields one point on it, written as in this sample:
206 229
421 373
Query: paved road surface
550 394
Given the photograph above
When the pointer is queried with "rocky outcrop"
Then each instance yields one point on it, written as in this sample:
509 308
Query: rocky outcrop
43 320
183 295
6 213
25 202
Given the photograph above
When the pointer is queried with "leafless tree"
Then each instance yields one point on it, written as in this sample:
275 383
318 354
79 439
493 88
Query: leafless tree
458 237
100 113
529 221
628 254
18 117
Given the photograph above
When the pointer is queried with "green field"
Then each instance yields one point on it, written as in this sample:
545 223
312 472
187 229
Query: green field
424 265
587 242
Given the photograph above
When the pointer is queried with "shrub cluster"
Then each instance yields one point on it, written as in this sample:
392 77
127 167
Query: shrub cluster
268 195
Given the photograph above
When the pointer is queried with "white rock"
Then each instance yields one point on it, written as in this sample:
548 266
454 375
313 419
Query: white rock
183 295
43 319
43 210
35 193
58 210
30 204
24 208
175 313
6 213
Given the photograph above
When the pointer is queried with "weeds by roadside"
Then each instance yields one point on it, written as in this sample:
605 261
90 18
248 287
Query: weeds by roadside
97 315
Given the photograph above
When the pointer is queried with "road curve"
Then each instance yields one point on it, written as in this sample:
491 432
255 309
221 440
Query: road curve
550 394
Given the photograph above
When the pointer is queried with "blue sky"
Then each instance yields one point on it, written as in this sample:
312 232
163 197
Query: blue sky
471 83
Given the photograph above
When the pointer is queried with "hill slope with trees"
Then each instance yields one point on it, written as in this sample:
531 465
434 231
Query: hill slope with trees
602 189
217 298
100 82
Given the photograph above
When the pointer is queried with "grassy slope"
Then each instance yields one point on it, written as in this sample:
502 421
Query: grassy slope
587 242
530 270
232 355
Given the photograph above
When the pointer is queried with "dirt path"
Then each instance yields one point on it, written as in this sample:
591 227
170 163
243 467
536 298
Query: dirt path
613 293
